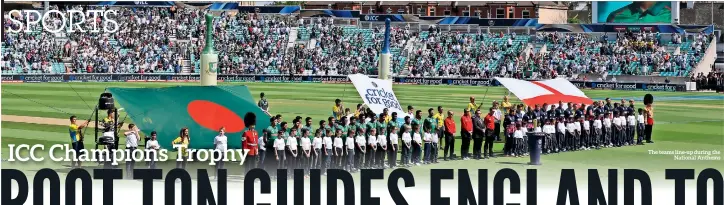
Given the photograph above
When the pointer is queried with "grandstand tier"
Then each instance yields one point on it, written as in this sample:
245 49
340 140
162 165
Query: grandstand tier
159 40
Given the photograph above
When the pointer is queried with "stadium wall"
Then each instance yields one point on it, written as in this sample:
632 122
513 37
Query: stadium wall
552 16
706 63
40 78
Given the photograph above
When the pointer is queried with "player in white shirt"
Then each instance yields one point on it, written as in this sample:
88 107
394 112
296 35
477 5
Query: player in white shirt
631 129
338 149
372 148
306 152
349 150
518 143
381 150
416 145
607 130
561 133
317 148
392 151
640 127
220 145
280 153
327 142
153 146
361 148
406 147
427 140
597 136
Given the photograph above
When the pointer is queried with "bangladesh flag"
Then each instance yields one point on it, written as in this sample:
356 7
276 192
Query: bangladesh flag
202 109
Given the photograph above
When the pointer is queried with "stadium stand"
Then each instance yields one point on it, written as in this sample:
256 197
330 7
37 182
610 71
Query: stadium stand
169 40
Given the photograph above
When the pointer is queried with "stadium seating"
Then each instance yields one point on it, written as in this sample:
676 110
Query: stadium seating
486 52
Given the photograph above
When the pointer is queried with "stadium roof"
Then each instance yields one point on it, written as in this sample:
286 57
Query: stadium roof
458 3
324 3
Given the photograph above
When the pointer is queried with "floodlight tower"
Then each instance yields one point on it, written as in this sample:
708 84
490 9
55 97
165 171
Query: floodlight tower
383 64
209 58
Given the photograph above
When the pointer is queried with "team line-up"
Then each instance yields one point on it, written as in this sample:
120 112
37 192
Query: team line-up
361 139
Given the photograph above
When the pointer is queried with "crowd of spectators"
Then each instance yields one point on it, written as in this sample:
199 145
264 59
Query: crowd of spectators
343 49
631 53
470 55
167 39
142 44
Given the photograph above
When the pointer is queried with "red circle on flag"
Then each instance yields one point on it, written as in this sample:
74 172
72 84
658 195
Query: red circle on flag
213 116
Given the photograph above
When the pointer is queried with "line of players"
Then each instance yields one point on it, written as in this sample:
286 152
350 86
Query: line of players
576 127
358 145
374 143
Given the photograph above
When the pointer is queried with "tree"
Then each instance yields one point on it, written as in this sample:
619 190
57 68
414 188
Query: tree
287 3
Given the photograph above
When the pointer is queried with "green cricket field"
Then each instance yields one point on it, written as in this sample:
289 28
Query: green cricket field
37 113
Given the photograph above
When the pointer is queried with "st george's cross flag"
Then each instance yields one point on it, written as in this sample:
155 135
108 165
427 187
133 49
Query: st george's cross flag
547 91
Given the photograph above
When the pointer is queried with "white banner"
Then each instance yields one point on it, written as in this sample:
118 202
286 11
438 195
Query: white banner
377 94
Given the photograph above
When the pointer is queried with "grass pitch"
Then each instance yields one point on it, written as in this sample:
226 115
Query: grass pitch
684 122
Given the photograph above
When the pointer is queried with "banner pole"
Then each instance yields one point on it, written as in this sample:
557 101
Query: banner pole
484 96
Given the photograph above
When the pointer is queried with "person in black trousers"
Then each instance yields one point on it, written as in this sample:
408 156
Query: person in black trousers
466 133
498 116
509 125
490 134
478 133
449 137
